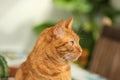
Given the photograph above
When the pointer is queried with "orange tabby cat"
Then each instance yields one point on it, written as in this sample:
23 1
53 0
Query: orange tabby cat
51 56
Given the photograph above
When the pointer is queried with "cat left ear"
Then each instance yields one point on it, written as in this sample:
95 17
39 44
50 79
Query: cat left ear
58 30
69 23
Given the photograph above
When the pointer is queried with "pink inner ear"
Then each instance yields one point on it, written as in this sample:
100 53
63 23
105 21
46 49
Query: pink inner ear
58 30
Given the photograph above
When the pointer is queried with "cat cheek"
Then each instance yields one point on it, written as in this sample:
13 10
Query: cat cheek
48 38
70 48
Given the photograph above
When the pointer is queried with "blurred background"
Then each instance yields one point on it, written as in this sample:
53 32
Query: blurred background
21 21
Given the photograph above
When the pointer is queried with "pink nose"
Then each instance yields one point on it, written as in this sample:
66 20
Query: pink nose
80 51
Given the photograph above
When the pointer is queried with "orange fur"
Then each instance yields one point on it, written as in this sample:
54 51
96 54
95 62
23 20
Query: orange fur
51 55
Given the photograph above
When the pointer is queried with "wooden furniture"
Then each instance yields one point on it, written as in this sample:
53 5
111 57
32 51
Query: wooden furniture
12 71
106 56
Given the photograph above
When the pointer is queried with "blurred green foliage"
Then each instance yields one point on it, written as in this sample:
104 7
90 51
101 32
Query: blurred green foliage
79 6
4 72
103 7
85 13
37 29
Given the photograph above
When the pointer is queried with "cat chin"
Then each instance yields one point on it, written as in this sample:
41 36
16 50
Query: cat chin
75 59
69 58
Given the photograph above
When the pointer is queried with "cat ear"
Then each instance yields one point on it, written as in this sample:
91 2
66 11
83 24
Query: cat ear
59 27
69 23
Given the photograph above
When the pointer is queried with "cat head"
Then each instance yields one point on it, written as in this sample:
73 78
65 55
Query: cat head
64 41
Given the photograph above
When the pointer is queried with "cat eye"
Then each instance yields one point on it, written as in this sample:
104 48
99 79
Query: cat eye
72 42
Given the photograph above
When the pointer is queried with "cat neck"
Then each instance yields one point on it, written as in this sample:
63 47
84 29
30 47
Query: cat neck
45 64
47 54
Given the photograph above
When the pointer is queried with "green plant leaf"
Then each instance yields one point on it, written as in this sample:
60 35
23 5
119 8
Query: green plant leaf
37 29
81 6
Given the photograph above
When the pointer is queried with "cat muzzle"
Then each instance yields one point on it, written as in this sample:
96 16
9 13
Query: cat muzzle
71 58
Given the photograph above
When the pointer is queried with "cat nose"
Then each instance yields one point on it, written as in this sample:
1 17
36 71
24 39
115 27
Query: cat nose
80 50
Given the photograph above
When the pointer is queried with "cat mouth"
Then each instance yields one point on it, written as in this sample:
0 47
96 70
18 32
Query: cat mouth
70 58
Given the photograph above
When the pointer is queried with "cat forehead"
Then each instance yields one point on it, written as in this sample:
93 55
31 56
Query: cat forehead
72 35
68 33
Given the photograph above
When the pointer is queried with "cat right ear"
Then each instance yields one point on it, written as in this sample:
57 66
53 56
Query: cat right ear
58 30
69 23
